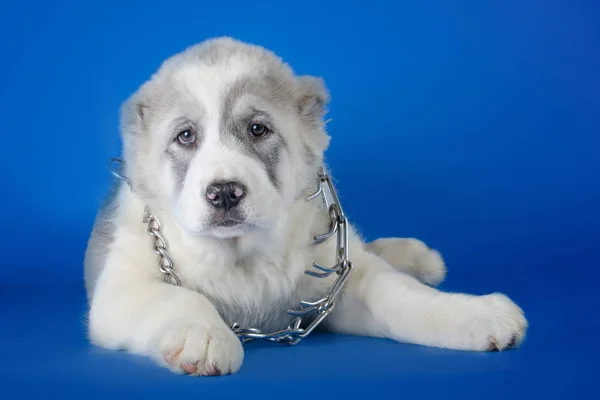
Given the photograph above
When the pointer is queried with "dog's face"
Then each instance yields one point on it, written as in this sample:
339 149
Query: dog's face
225 137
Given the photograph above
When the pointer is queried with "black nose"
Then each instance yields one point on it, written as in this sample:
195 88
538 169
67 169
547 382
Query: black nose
225 194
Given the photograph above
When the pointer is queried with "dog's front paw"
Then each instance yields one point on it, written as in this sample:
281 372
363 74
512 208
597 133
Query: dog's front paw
492 322
198 350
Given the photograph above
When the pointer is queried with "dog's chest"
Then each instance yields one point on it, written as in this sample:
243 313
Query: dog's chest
254 292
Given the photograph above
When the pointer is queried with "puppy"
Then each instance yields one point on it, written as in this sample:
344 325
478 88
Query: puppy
223 145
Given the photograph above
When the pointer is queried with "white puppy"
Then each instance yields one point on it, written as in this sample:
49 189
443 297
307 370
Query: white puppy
223 144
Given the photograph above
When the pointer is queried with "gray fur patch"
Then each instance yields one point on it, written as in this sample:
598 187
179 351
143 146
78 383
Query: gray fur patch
100 240
308 155
180 165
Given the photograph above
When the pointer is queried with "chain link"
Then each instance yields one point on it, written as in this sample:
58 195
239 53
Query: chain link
165 263
309 314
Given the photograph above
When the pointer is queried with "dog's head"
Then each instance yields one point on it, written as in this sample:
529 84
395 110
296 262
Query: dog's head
225 137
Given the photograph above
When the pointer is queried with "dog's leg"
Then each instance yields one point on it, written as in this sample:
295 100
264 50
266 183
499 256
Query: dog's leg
411 256
177 327
380 301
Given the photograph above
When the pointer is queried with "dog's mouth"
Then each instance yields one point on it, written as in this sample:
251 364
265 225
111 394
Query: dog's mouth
228 219
228 227
226 223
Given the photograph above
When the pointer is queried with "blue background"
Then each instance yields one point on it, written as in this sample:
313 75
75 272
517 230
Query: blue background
479 118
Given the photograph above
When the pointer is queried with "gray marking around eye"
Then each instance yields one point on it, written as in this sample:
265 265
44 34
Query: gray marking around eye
181 156
269 157
266 150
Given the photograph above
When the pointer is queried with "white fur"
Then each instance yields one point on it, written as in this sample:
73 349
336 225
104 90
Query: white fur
254 272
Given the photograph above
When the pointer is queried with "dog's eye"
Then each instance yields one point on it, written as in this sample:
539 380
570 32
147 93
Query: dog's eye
186 137
258 130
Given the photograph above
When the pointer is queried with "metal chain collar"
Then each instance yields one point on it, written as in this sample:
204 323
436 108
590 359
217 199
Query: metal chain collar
317 310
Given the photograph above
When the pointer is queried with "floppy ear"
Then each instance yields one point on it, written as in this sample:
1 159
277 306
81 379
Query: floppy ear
134 114
136 110
133 111
313 99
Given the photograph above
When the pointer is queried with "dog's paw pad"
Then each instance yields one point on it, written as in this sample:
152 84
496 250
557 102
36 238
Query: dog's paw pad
190 368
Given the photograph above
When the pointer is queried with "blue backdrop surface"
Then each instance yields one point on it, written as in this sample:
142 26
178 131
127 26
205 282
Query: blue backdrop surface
481 118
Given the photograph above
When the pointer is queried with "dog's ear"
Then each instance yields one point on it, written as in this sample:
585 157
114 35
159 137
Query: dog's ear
133 113
313 99
136 110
